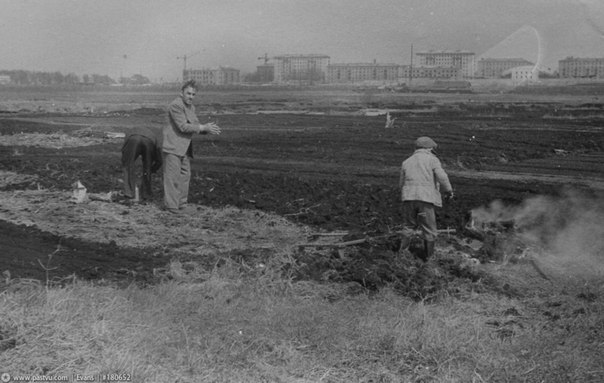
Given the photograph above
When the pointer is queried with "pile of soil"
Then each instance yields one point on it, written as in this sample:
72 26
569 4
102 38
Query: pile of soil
45 235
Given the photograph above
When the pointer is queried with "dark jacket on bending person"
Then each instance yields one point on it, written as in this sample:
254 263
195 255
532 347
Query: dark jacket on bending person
146 143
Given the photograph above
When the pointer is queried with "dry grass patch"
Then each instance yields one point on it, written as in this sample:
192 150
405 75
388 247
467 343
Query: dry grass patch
8 178
53 141
218 325
198 233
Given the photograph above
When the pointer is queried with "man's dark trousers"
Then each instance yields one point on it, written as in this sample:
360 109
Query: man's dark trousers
135 146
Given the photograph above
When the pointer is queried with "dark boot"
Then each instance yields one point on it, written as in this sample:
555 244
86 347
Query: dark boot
428 250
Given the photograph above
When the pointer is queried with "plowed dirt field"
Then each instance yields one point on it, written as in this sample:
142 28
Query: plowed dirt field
325 163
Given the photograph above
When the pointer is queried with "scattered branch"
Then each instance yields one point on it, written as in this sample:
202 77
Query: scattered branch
360 240
302 211
47 268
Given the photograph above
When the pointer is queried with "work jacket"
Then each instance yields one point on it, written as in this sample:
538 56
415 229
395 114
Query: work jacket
153 134
422 176
182 123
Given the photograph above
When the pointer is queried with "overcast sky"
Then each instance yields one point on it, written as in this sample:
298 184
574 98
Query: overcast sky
124 37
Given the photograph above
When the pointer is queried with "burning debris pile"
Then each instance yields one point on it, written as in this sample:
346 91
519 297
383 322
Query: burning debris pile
495 240
502 241
565 232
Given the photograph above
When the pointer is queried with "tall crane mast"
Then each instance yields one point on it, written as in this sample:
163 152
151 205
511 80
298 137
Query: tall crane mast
265 58
184 59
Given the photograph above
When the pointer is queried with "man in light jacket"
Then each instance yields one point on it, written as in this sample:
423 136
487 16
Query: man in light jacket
177 149
422 177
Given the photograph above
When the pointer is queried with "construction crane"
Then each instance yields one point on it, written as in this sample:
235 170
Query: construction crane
265 58
185 57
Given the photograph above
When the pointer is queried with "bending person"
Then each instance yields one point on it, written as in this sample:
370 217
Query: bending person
144 143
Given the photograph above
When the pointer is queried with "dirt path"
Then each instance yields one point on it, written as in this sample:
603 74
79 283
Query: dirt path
590 182
331 170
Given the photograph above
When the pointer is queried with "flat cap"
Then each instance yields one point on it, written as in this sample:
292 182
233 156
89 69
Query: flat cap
425 143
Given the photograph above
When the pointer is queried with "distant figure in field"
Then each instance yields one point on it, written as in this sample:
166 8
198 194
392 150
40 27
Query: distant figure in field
422 177
177 149
144 143
389 121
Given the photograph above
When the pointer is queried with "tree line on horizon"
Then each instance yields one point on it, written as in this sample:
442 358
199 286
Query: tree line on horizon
25 77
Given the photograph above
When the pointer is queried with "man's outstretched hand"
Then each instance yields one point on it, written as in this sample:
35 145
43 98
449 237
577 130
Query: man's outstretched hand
210 128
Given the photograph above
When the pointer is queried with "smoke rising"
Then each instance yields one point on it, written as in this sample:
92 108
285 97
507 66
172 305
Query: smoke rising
568 230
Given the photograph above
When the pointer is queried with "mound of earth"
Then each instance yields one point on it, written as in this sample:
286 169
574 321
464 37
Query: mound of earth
46 235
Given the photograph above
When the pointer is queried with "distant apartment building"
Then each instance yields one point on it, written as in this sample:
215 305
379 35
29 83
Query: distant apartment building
495 67
575 67
302 69
435 72
523 74
217 76
462 60
266 73
362 72
368 72
5 79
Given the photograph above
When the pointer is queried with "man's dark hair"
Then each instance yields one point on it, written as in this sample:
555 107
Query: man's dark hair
189 84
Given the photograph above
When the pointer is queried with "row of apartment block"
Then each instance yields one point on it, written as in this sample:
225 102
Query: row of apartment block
316 69
464 61
573 67
217 76
350 73
431 64
496 68
345 73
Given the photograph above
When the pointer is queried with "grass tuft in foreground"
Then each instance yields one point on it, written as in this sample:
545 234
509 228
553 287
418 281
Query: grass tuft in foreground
228 324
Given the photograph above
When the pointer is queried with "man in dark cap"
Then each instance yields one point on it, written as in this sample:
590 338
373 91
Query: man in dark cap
145 143
422 177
